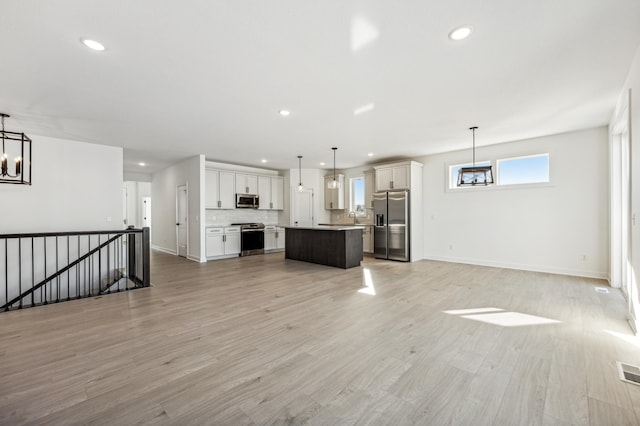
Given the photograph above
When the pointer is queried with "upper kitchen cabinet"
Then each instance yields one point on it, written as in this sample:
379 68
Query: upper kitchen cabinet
271 192
277 193
334 197
393 176
368 189
219 189
246 184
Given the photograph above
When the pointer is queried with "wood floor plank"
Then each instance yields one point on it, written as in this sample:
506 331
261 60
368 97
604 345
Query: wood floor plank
264 340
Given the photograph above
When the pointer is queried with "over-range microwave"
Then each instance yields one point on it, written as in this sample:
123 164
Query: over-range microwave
247 201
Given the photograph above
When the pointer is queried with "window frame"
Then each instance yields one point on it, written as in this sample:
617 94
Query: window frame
450 181
520 157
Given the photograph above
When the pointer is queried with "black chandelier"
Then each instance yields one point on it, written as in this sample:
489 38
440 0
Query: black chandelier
16 146
475 175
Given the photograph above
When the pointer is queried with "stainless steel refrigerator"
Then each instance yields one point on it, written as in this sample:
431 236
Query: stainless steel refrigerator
391 225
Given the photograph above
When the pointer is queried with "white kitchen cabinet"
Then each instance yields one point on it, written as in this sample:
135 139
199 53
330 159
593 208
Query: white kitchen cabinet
393 177
269 237
367 239
246 184
334 197
280 237
277 193
264 191
271 192
273 238
215 242
368 189
232 240
223 241
219 189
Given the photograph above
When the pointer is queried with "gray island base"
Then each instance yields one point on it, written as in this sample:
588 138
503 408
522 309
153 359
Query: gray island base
327 245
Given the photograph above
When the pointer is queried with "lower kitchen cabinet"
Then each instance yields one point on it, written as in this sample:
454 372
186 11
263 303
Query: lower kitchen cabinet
269 237
273 238
367 239
280 238
223 241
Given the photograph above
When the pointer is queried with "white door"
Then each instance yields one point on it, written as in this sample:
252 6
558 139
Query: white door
146 212
182 224
302 207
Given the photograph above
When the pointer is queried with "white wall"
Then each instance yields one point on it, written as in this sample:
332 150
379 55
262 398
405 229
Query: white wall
76 186
137 177
163 206
544 228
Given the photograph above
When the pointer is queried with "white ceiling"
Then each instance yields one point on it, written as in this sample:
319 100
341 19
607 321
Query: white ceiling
181 78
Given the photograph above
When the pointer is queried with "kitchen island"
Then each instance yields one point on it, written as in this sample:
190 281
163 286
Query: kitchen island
339 246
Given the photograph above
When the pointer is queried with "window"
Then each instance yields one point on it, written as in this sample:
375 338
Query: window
356 202
509 171
519 170
453 172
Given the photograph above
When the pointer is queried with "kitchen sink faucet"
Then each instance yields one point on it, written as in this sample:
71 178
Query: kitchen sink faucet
355 217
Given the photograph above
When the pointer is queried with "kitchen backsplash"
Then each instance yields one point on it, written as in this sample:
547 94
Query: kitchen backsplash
227 217
342 216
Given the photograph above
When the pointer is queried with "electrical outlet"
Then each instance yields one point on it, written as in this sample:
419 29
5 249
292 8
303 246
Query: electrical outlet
450 246
108 218
583 257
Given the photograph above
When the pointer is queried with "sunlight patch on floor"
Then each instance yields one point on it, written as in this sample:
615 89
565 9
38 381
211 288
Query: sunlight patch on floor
472 311
368 283
629 338
497 316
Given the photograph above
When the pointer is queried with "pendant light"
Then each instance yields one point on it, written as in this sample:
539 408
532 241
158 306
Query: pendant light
333 184
472 176
300 187
17 145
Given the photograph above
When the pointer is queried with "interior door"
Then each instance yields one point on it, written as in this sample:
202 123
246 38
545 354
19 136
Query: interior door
182 225
146 212
303 207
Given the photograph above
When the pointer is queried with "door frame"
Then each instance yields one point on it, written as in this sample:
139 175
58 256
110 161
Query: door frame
622 218
186 188
293 205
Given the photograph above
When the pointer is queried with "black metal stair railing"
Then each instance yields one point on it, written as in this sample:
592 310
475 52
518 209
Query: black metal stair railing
42 268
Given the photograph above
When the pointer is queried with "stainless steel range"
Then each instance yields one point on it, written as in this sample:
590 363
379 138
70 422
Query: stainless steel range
252 238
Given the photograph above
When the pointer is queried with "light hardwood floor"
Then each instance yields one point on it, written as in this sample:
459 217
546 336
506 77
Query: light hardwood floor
263 340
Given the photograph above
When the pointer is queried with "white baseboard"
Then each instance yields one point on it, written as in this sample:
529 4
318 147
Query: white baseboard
196 258
524 267
164 250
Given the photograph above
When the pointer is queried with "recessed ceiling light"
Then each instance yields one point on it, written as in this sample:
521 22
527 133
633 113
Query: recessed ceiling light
370 154
142 164
92 44
460 32
284 112
263 161
322 164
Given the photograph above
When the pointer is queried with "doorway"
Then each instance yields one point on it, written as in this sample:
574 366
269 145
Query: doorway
621 215
302 207
182 220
